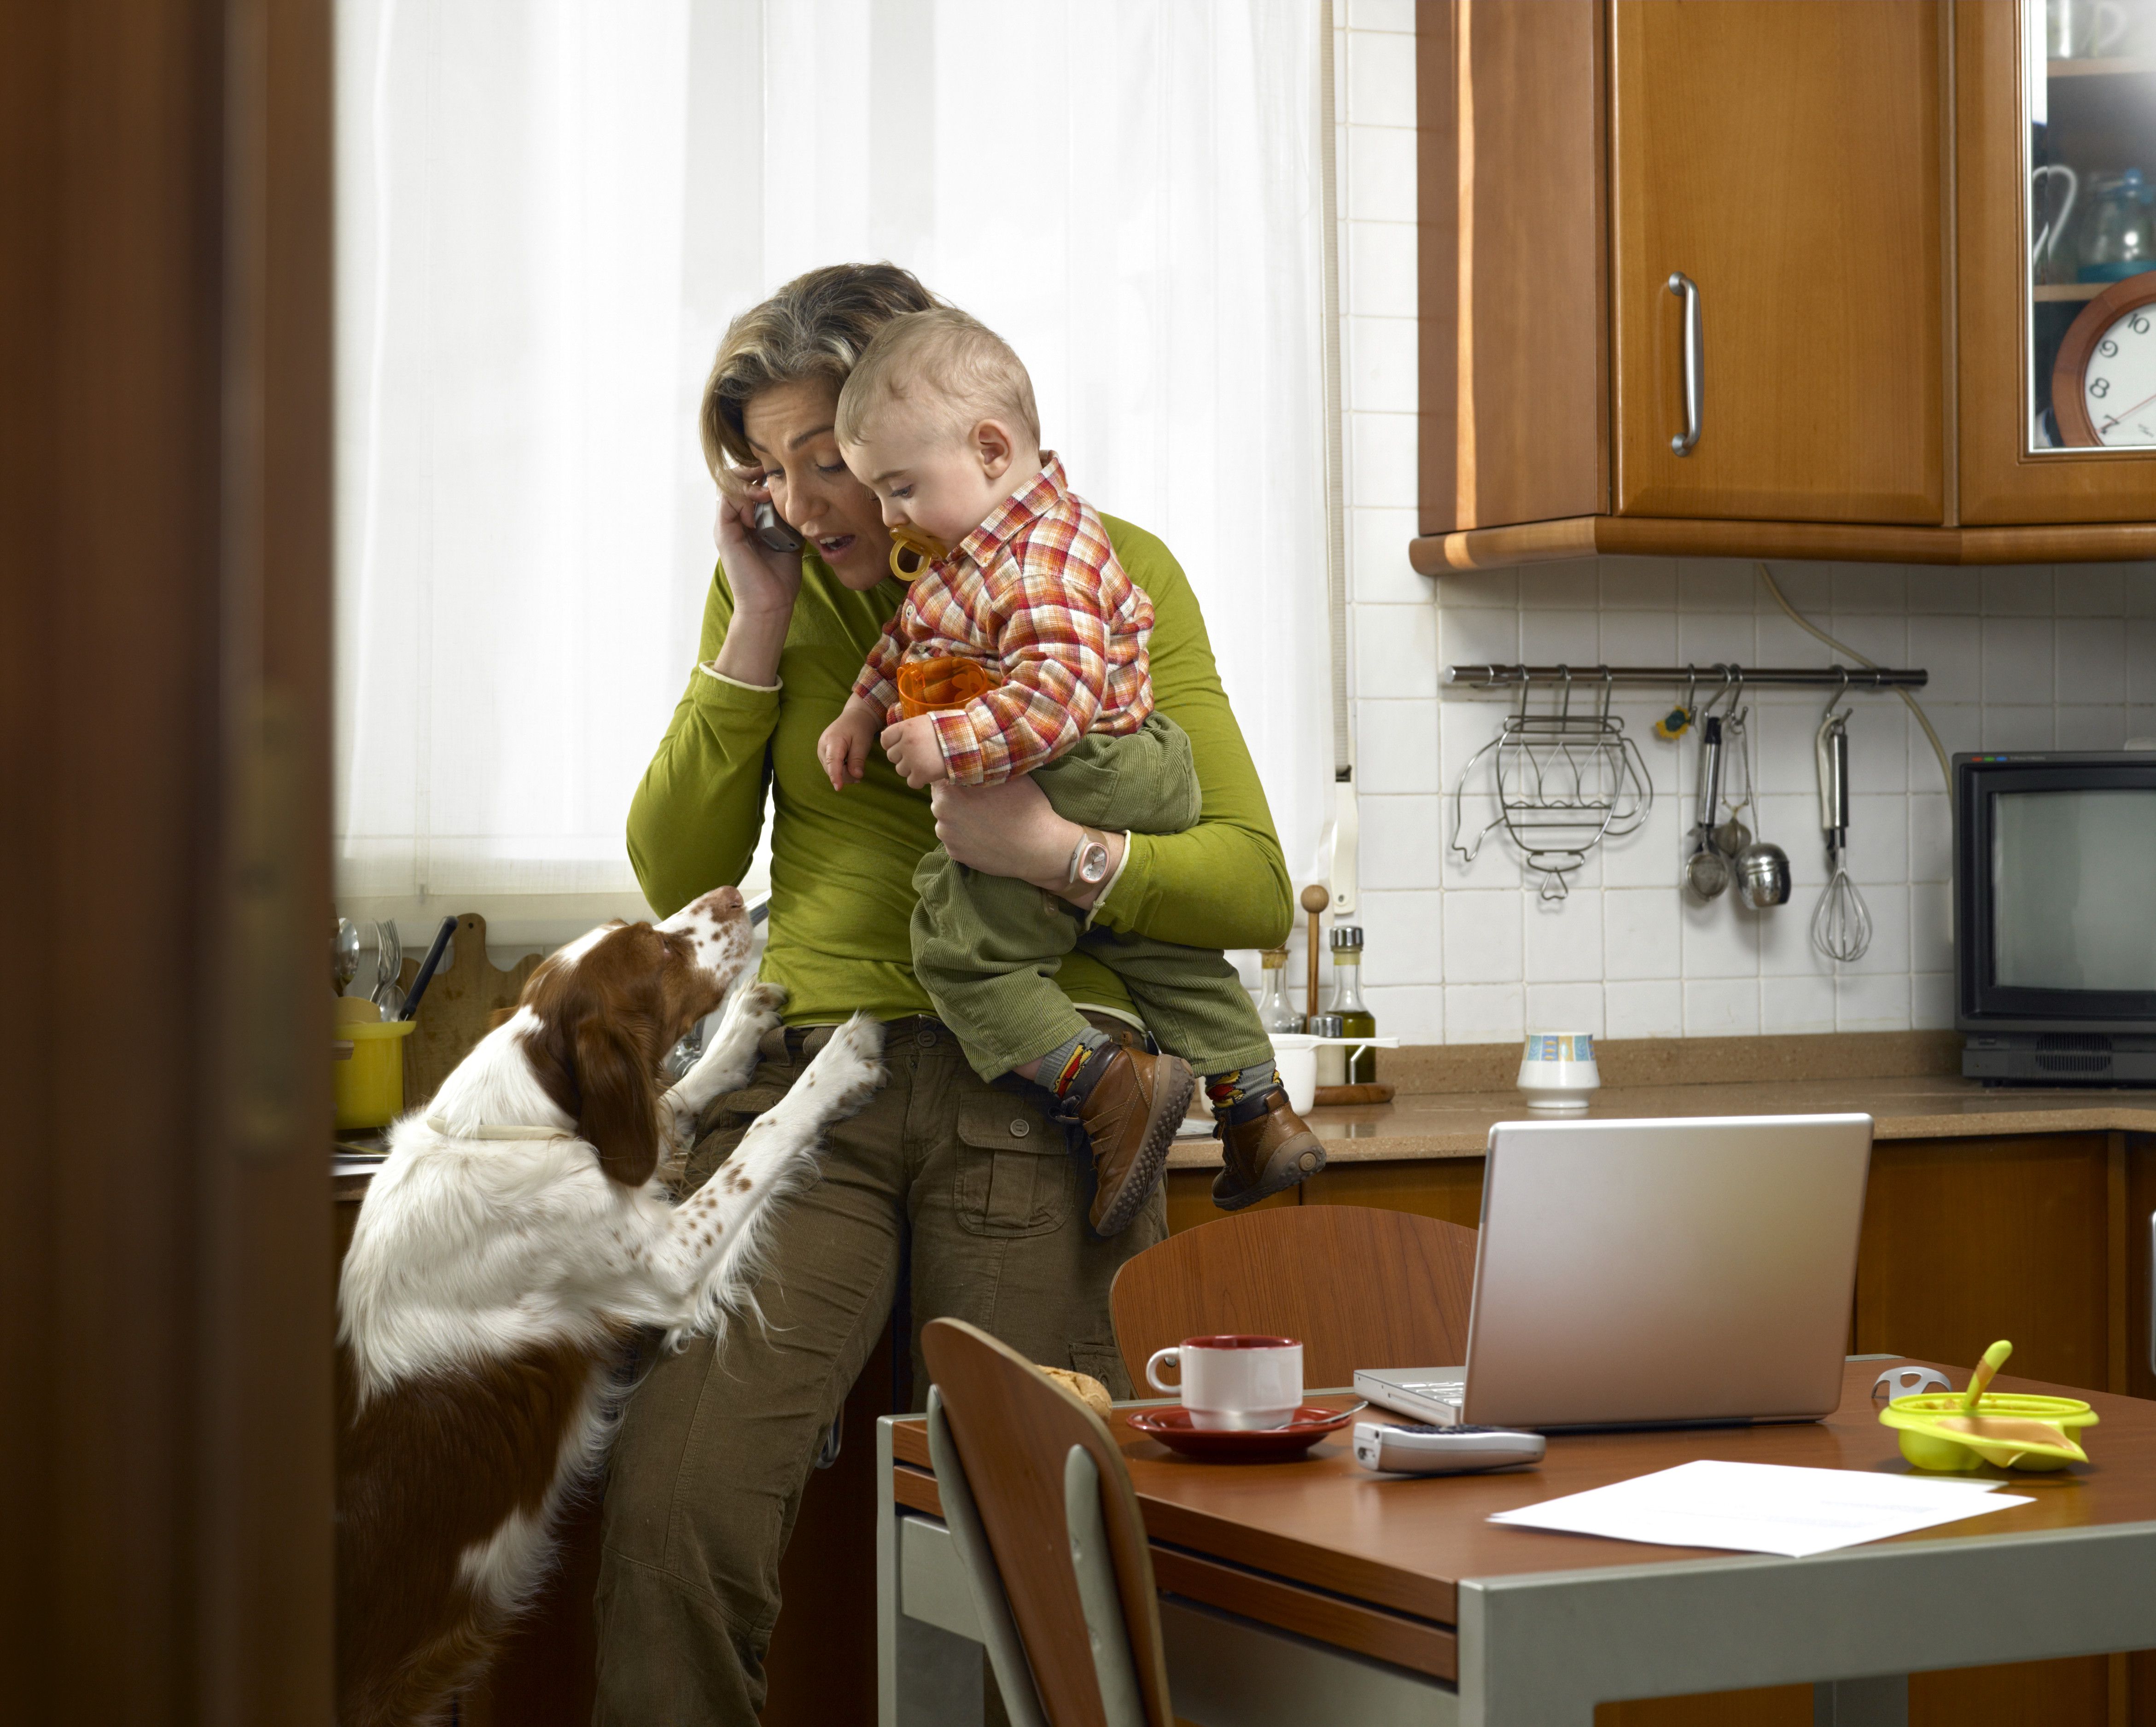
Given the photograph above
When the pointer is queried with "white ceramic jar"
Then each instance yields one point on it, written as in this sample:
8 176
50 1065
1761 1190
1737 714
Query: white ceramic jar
1557 1070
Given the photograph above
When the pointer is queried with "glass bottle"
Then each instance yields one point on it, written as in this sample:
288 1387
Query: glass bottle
2117 241
1355 1019
1274 1008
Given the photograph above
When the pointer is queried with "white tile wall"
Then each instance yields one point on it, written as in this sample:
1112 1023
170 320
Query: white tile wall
1468 952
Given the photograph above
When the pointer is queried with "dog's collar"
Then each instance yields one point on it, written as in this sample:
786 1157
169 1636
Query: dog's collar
499 1130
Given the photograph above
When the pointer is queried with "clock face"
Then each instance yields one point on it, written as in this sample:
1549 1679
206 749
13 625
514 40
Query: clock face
2118 382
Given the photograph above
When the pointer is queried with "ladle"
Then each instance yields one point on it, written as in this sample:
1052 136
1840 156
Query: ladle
1706 871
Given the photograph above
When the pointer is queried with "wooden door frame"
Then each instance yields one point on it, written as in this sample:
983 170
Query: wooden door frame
165 558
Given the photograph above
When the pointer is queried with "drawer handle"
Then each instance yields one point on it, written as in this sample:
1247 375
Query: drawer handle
1695 362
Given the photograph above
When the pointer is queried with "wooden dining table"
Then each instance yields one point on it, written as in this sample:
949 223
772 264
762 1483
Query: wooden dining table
1318 1590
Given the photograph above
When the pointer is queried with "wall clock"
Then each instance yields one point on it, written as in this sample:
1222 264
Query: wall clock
2103 387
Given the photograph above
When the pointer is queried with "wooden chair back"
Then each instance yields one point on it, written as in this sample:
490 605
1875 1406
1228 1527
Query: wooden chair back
1014 1429
1360 1287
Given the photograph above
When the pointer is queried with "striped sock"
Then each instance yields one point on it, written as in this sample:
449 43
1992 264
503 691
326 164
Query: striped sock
1071 1068
1225 1090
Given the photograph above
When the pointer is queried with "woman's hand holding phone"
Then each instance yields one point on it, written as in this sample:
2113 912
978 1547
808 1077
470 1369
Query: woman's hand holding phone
765 584
764 579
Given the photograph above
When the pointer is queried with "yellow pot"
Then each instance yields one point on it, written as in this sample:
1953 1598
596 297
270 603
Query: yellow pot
368 1084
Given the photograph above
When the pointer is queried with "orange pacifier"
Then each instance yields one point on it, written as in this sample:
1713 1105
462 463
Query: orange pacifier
906 538
930 686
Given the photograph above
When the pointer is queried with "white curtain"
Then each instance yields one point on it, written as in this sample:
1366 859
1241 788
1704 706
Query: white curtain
548 210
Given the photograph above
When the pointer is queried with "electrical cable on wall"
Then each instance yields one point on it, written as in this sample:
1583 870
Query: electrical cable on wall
1938 749
1343 830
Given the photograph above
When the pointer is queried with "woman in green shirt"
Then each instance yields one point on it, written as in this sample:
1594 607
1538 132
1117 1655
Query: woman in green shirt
946 1195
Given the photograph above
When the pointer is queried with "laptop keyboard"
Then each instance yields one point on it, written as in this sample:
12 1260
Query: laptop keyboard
1437 1391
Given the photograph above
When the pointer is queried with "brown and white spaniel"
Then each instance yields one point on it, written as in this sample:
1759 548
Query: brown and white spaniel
517 1234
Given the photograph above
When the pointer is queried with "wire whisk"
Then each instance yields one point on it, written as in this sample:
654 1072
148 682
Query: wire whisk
1841 927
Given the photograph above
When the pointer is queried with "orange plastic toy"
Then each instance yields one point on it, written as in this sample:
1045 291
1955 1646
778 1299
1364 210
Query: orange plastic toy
930 686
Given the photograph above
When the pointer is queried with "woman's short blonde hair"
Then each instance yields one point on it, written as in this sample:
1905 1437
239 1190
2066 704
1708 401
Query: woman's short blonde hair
817 326
946 365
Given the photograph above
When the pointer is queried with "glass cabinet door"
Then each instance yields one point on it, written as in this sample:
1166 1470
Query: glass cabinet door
2089 102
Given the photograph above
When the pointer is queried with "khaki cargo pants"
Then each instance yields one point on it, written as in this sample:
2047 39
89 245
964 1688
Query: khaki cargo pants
978 1195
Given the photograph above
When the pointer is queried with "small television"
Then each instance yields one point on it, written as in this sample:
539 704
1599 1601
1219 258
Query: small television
2054 917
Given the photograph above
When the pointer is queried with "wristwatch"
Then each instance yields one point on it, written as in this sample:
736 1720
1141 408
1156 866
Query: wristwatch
1089 859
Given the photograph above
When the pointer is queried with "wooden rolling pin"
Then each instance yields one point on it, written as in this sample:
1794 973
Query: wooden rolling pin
1315 900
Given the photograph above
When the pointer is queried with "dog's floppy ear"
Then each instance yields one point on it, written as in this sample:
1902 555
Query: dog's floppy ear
618 1111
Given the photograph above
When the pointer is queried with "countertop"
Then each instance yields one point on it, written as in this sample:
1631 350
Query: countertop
1923 1106
1457 1124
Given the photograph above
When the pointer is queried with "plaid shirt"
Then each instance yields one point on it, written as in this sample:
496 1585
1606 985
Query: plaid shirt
1036 592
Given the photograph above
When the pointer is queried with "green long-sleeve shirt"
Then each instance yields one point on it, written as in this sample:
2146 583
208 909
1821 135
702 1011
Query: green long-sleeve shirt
842 861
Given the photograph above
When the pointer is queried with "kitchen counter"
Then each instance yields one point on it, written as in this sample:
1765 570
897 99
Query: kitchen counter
1923 1106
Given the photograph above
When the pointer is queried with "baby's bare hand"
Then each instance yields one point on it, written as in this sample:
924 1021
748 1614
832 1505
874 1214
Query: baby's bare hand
844 748
914 751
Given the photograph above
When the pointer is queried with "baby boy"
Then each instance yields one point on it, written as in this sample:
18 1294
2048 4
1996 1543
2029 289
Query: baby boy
938 419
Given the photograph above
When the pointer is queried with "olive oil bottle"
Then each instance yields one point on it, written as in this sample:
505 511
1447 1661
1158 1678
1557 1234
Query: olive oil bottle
1355 1019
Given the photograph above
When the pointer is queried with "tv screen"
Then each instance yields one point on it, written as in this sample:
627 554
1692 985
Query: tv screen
2071 874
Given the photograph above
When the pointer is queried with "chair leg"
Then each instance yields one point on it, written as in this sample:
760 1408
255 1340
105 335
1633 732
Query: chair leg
1116 1673
1006 1653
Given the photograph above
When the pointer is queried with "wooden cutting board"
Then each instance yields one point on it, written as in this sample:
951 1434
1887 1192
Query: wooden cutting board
459 1007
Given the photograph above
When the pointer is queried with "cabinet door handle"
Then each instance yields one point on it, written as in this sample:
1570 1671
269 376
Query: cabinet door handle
1695 362
2152 1294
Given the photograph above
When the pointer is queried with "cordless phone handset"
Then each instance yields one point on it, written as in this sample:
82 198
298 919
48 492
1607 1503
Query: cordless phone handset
773 531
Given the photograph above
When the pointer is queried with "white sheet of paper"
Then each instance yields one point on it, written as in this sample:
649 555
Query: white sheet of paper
1762 1508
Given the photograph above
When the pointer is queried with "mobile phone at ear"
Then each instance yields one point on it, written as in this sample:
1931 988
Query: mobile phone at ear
773 532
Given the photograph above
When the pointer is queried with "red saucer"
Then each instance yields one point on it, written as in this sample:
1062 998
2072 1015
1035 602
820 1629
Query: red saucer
1282 1444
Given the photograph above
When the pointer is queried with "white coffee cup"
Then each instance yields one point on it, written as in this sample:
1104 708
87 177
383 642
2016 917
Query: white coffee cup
1557 1070
1294 1055
1233 1381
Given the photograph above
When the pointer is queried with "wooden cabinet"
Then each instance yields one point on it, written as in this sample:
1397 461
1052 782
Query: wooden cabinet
2100 115
1827 202
1785 161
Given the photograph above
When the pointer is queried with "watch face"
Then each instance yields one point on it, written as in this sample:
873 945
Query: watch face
1093 866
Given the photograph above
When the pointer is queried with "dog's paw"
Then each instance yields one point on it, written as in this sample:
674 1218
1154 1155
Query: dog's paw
849 1069
758 1006
763 998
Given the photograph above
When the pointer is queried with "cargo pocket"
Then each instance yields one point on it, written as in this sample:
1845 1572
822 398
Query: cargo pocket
1015 1172
726 1117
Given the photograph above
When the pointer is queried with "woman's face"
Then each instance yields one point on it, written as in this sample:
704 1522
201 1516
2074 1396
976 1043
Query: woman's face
789 428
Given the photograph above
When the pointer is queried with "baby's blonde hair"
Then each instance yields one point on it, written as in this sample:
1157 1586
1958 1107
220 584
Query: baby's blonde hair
950 363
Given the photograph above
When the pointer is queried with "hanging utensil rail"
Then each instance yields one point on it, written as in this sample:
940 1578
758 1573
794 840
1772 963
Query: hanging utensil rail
1508 677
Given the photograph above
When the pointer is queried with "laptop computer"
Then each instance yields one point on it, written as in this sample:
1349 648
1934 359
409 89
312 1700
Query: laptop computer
1654 1273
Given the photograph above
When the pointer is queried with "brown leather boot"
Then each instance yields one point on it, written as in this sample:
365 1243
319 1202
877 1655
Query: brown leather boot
1131 1115
1264 1147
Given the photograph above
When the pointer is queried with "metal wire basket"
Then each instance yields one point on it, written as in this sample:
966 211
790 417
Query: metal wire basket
1564 783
